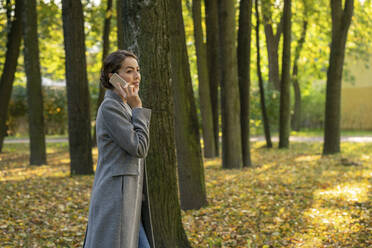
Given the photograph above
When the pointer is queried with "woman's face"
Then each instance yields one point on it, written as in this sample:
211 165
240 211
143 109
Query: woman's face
130 71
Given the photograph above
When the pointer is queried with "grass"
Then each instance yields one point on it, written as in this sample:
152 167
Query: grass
288 198
54 136
319 132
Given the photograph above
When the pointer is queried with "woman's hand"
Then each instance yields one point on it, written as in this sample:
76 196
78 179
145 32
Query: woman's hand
132 97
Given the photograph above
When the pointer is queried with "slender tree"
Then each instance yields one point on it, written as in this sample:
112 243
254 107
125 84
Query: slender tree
244 62
296 121
189 156
211 14
14 37
231 129
204 94
272 42
79 128
119 23
285 107
341 19
105 50
34 94
265 118
146 34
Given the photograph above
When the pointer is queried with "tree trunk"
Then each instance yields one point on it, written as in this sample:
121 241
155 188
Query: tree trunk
119 23
189 156
272 43
341 19
231 129
105 50
285 96
211 14
265 118
204 94
79 128
296 121
34 94
244 66
14 36
146 34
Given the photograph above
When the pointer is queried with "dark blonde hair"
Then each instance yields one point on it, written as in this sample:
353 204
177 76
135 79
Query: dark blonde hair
112 64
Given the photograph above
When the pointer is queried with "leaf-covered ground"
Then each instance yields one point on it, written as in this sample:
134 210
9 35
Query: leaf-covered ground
290 198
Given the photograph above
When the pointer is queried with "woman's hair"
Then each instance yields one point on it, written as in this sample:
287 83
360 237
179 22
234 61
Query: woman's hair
112 64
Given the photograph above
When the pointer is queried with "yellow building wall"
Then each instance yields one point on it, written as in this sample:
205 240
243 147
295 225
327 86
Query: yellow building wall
356 99
356 108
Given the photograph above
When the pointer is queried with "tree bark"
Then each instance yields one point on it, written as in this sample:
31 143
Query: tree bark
272 43
285 104
34 90
296 121
204 94
119 23
105 50
211 14
189 156
341 19
265 118
244 70
79 128
14 36
146 34
231 128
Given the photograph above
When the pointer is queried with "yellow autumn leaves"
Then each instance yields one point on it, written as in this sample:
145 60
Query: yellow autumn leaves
290 198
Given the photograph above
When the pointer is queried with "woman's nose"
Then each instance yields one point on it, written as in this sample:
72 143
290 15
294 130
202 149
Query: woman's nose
137 75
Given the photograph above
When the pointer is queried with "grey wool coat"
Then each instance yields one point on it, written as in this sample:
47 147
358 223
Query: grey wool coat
119 195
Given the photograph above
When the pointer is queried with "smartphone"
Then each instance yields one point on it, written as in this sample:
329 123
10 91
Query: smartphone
116 80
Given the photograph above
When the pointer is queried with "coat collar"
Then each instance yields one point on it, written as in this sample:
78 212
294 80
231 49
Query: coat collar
111 94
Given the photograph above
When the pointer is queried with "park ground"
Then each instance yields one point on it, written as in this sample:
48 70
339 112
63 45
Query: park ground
288 198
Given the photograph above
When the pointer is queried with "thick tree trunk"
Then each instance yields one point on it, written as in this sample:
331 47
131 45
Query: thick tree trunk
119 23
34 94
211 14
230 104
79 128
14 36
265 118
204 94
105 50
296 121
244 66
272 43
146 34
285 104
189 156
341 19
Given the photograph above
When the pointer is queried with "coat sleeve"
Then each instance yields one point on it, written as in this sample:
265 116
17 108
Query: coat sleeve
131 135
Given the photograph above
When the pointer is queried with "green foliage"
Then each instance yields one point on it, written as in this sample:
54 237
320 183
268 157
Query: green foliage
272 99
313 106
55 110
17 109
51 47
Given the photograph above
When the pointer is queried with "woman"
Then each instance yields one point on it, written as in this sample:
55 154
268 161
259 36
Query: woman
119 211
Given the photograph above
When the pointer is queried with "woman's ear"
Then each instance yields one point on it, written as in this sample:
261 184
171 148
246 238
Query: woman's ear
109 75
